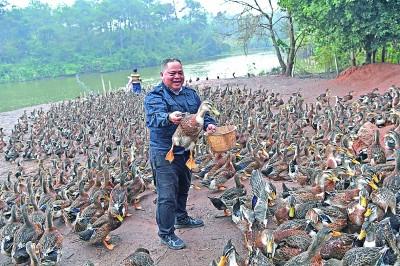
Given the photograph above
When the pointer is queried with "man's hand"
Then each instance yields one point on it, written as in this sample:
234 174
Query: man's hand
211 128
175 117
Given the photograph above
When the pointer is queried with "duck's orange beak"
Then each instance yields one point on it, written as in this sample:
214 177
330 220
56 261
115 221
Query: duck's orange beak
222 261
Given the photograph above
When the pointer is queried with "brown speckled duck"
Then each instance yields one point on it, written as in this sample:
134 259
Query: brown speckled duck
32 252
226 200
363 255
99 231
384 198
141 257
356 209
375 152
51 243
91 212
27 232
8 231
309 257
187 133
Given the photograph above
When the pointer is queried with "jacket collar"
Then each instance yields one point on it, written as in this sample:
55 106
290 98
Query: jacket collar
171 91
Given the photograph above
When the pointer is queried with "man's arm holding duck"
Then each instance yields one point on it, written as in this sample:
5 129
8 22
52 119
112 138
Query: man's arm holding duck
156 111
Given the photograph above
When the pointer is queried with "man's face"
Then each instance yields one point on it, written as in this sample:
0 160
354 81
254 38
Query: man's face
173 76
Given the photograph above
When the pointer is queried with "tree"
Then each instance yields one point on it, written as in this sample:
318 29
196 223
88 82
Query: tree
266 20
3 4
107 35
350 25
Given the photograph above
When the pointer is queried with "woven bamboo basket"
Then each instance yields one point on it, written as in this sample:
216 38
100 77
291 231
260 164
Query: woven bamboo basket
223 139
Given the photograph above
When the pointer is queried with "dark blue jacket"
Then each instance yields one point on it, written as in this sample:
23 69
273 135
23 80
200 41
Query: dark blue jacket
161 101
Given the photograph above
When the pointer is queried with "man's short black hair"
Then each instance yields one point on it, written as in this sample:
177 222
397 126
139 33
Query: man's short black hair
169 60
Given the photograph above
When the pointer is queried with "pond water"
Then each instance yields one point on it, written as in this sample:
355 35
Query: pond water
21 94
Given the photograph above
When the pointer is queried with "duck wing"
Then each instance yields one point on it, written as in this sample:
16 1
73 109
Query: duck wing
257 184
189 126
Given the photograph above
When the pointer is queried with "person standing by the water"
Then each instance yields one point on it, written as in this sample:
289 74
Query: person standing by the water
134 82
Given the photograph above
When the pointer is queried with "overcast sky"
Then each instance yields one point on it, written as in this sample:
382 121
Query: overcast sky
212 6
52 3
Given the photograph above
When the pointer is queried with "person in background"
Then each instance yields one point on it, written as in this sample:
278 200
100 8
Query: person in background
164 107
134 82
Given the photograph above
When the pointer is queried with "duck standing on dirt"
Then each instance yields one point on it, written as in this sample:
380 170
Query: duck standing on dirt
8 231
226 200
51 243
170 131
141 257
27 232
99 231
230 256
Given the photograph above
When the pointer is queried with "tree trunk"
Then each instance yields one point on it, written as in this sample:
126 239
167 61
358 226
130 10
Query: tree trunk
293 68
368 50
368 57
383 54
336 64
121 35
374 56
276 46
174 4
353 58
292 47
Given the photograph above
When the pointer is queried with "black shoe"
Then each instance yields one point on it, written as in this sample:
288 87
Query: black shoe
172 241
188 222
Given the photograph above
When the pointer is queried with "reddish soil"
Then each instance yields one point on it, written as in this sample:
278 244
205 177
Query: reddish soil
367 77
206 243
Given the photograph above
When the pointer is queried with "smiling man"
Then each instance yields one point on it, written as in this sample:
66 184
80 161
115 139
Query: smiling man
164 106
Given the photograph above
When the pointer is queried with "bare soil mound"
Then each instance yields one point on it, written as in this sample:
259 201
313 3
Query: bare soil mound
370 76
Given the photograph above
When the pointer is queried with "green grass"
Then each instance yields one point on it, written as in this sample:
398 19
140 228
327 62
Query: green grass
22 94
18 95
308 66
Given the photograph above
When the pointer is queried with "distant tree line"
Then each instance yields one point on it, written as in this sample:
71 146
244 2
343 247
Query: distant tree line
100 36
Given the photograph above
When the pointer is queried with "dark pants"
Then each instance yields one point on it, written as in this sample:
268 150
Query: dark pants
172 182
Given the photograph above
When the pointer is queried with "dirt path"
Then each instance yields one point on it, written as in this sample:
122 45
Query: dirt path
206 243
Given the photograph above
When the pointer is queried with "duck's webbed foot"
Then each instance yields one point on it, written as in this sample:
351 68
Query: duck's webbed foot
221 188
191 164
108 245
195 186
170 155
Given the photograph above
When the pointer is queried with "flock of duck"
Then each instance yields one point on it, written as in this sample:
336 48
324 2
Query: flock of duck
343 205
88 163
